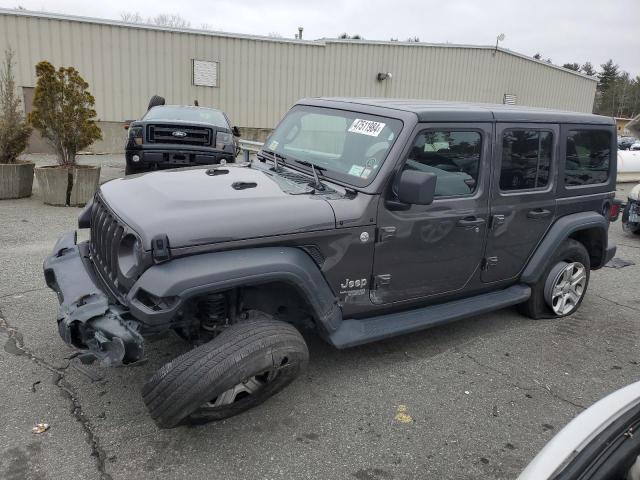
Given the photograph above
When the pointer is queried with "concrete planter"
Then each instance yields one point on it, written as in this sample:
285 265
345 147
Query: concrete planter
73 186
16 180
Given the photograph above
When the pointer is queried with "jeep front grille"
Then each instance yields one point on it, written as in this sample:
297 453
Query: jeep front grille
106 233
178 134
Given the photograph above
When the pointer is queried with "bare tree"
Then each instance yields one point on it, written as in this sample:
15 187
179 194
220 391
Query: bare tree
171 20
131 17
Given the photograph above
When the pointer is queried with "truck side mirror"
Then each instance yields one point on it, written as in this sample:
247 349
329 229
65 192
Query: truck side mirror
416 188
236 131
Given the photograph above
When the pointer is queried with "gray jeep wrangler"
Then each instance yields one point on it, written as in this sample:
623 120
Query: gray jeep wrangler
364 218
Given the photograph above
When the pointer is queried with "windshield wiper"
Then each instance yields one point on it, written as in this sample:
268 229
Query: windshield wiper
316 181
274 158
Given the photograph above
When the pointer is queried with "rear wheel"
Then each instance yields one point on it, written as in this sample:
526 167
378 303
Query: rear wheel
242 367
562 287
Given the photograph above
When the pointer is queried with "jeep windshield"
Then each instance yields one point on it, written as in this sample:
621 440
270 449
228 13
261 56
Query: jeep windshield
346 146
187 114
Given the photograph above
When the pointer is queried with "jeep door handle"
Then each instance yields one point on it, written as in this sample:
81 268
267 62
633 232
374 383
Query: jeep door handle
538 213
470 222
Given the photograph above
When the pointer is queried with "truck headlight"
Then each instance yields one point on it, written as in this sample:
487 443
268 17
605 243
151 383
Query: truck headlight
135 133
223 139
634 194
129 255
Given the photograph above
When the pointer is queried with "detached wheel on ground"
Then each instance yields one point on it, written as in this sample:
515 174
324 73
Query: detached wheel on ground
562 287
242 367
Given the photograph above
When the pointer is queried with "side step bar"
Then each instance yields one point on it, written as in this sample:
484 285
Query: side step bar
356 332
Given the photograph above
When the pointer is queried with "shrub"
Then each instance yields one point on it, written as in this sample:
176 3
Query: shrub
63 111
14 130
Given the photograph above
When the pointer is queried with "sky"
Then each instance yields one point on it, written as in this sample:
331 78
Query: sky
562 30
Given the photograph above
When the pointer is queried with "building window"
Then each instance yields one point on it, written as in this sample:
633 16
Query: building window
205 73
453 156
526 159
509 99
588 157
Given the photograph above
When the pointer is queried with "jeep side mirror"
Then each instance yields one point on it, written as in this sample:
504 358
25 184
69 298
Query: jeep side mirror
236 131
416 188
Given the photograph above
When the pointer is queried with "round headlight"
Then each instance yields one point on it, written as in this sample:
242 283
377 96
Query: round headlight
129 255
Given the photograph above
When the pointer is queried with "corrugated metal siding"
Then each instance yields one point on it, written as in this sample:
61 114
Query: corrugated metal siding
260 79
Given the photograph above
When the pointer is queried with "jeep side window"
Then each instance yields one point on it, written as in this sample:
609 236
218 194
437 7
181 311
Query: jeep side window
588 157
526 159
452 155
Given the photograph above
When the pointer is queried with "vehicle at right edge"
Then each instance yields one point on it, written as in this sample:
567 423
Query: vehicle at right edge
631 212
365 218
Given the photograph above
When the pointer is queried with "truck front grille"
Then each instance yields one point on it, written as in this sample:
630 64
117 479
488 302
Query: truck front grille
179 134
106 233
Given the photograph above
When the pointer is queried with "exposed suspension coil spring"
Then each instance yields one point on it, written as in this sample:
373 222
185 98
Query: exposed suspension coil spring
213 311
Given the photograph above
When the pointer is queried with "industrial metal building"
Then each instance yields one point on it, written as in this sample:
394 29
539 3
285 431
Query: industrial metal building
256 79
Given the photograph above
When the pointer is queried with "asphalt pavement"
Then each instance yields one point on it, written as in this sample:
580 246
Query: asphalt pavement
475 399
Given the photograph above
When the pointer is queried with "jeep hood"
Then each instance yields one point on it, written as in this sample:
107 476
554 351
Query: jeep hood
194 206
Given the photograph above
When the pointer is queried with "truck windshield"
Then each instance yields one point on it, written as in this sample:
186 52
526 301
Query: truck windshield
348 146
187 114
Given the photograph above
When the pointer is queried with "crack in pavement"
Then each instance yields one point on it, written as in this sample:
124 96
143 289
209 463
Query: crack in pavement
11 294
546 388
616 303
17 347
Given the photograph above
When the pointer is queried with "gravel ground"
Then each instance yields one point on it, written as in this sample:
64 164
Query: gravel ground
480 397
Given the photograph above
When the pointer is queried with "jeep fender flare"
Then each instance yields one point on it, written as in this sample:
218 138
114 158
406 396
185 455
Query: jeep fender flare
184 278
562 229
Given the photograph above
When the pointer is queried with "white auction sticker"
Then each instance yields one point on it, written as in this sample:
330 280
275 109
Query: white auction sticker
366 127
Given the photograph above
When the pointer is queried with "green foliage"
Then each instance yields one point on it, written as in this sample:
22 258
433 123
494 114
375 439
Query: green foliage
618 95
346 36
588 69
63 111
572 66
14 130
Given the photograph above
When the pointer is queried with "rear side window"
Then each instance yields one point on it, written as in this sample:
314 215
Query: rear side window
526 159
588 157
453 156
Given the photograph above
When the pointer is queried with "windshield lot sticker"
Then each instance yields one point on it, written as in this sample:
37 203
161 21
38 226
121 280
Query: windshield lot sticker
366 127
273 145
366 172
356 170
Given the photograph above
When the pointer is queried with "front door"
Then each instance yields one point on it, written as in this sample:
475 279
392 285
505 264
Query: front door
430 250
523 203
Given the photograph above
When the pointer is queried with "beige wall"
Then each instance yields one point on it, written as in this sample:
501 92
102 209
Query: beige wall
259 78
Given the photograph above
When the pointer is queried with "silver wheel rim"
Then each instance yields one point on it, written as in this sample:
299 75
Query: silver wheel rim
249 387
565 287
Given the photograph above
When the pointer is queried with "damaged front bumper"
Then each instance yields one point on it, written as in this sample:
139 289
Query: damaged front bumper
87 320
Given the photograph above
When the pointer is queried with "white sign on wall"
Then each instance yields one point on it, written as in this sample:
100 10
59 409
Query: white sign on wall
205 73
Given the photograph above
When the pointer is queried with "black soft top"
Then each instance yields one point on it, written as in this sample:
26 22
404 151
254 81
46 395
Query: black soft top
439 111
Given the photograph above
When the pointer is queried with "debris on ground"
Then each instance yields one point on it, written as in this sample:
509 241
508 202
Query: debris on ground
402 416
619 263
40 428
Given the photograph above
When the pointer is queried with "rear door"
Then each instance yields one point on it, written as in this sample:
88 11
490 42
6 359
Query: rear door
523 198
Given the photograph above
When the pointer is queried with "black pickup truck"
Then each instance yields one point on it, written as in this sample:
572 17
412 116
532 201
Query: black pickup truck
170 136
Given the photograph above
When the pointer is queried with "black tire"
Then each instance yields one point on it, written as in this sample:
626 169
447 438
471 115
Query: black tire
156 101
633 228
537 307
131 170
179 391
